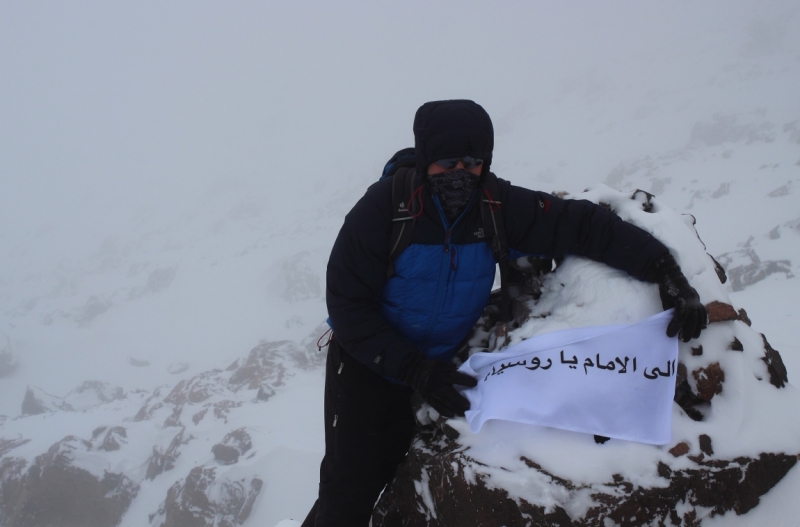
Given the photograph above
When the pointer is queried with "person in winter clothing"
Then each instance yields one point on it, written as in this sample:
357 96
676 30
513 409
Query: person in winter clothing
397 336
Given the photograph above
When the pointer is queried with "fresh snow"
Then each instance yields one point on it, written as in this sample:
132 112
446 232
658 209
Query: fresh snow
167 203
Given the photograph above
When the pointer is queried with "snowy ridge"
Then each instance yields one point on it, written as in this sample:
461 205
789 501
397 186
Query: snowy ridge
167 446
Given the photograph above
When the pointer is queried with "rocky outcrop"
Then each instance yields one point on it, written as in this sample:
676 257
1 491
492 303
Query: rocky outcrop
440 486
233 445
203 500
86 396
745 267
90 480
68 486
163 459
263 372
38 401
454 477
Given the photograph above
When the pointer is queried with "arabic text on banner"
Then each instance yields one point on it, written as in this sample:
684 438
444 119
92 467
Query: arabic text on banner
613 381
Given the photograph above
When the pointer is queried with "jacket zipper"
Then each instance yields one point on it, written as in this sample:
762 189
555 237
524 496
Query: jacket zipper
446 262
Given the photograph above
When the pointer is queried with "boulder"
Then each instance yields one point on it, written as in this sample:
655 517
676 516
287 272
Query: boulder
69 486
233 445
440 485
203 500
730 444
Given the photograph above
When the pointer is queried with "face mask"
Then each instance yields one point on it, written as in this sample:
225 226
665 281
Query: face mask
454 189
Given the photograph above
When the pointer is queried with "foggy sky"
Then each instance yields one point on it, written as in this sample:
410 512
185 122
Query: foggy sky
106 108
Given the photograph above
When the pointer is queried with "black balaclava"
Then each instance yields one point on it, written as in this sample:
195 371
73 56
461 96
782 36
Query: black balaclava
448 129
454 189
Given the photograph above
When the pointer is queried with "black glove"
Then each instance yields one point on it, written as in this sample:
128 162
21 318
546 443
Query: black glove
434 381
690 314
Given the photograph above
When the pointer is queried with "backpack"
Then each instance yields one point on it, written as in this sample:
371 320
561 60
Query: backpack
407 206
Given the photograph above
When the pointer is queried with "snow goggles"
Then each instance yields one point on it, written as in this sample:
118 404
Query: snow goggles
468 162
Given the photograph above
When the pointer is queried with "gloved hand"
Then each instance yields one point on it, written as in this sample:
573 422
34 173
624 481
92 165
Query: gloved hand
434 381
690 314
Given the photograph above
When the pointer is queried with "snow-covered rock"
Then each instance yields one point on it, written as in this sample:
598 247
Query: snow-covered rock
37 401
203 499
159 441
731 438
69 485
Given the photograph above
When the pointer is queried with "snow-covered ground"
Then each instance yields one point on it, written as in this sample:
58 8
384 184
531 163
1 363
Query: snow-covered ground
140 256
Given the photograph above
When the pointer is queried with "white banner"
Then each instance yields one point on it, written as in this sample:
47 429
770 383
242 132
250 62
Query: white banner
613 381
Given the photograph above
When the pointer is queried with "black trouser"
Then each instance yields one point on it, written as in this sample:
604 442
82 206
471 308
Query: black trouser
369 424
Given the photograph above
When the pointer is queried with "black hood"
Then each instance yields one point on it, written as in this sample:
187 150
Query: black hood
458 128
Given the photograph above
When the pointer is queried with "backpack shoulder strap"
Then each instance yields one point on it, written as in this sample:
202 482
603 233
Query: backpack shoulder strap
495 231
405 211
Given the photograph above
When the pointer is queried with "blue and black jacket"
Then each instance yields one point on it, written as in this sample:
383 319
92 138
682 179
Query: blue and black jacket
443 279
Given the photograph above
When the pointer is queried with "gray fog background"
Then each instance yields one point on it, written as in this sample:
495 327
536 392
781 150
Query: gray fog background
108 107
173 174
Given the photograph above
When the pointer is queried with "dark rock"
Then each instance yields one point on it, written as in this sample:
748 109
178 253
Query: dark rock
55 492
175 417
719 270
114 437
224 454
681 449
746 274
684 395
233 445
97 431
644 198
709 381
38 401
202 500
164 460
736 345
738 487
197 417
705 445
222 408
432 489
744 318
411 501
697 351
778 376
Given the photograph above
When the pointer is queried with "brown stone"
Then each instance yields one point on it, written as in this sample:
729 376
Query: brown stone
709 381
720 312
681 449
736 345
